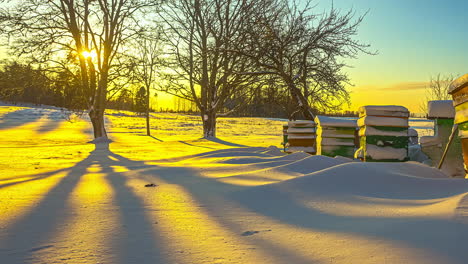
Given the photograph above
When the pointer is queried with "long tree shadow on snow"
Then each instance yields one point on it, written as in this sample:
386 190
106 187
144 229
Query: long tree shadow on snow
19 118
193 145
242 151
28 178
198 187
50 124
223 142
29 234
181 176
441 236
37 225
444 237
139 244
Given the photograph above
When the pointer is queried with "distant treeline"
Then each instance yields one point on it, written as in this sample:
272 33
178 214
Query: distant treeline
23 83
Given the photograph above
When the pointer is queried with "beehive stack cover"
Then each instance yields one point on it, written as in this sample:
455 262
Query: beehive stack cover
335 136
301 135
383 132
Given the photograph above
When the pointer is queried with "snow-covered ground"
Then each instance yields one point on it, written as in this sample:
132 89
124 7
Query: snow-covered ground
232 200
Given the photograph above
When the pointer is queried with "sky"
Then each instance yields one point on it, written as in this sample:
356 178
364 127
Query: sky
415 39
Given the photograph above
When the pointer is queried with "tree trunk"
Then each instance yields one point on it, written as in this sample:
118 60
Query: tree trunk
97 119
148 130
96 114
209 124
301 101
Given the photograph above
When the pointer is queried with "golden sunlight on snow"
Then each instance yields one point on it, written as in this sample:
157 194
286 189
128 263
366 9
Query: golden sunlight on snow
230 200
91 223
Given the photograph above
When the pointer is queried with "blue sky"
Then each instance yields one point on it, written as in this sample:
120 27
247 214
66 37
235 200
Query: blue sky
415 39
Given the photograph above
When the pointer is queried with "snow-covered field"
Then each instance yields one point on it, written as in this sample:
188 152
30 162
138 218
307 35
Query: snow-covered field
232 200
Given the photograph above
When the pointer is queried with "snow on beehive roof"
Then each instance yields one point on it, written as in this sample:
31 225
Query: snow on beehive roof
458 83
383 110
306 123
327 121
441 109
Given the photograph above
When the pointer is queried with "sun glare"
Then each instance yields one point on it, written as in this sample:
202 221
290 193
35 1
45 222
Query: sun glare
89 54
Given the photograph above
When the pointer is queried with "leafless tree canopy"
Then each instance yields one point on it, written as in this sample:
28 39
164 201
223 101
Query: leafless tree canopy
201 33
146 62
305 50
438 87
219 54
85 33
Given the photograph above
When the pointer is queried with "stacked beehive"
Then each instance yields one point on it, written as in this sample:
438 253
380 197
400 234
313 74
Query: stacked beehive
301 136
383 132
335 136
443 113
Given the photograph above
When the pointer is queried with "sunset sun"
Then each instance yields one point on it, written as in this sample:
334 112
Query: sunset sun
89 54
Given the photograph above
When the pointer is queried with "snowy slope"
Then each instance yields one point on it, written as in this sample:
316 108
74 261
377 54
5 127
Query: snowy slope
231 200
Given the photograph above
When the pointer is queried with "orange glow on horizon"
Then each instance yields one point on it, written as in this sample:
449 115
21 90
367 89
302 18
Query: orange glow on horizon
408 93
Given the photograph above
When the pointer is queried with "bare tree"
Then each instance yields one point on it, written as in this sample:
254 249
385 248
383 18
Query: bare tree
304 50
202 69
438 87
146 64
87 33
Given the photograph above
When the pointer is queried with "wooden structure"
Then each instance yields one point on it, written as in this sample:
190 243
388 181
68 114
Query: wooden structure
300 136
383 133
335 136
459 91
285 137
443 113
